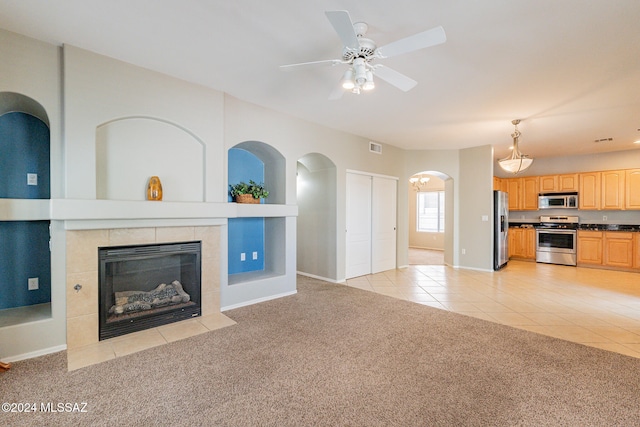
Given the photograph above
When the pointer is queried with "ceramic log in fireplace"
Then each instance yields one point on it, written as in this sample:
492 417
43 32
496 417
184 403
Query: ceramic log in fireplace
145 286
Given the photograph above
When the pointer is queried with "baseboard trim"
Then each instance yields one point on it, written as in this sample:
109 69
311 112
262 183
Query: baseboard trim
257 300
313 276
36 353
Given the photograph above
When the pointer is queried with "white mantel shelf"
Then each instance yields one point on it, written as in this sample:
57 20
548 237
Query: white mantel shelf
92 210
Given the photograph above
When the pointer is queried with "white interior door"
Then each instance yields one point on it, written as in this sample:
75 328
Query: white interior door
383 224
358 239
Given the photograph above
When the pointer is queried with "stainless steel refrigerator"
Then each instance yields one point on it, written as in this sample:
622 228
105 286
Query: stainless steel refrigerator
500 229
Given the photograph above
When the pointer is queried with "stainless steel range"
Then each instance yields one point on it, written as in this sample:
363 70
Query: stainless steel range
556 240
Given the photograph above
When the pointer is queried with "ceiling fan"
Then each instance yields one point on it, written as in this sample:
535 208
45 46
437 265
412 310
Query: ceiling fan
360 52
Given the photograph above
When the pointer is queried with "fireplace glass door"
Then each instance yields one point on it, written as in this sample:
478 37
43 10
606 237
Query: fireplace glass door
147 286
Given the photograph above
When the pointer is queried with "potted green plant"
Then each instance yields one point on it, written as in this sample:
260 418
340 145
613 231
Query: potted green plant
248 193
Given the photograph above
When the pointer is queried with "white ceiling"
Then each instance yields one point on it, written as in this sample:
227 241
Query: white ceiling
569 68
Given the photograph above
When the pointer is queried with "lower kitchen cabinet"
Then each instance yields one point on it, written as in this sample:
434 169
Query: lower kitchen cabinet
522 243
636 248
618 249
590 247
610 249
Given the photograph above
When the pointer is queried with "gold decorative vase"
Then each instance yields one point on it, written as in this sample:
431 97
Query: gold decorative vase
154 189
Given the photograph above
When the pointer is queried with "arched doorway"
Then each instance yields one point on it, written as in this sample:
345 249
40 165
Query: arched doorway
428 207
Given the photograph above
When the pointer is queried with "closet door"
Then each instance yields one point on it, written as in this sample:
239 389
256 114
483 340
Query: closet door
358 239
383 224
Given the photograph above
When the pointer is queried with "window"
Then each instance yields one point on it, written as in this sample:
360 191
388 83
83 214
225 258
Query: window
430 211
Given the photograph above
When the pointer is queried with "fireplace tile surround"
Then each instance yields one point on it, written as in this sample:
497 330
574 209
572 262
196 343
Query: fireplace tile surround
83 344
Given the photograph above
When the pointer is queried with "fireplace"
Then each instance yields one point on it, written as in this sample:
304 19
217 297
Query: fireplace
145 286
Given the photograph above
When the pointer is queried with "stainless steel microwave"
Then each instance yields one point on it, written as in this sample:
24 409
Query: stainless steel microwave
558 201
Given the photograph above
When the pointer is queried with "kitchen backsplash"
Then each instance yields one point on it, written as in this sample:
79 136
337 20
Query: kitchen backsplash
586 216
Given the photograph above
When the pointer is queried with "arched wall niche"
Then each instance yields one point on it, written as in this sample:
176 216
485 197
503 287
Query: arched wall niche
316 188
274 169
25 147
16 102
130 150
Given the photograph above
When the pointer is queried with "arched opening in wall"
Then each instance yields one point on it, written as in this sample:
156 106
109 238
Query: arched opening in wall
130 150
429 218
25 257
256 242
316 189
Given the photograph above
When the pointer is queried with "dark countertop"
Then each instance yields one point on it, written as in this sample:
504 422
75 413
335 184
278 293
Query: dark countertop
609 227
593 227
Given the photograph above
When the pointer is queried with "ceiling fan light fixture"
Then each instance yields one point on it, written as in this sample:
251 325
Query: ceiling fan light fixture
360 71
369 84
347 80
516 162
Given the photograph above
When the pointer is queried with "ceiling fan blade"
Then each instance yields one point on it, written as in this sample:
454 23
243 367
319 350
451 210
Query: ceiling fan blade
418 41
290 67
394 78
344 27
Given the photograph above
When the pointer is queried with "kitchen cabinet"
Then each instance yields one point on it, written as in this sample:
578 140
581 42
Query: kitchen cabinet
530 192
530 243
513 188
522 243
568 182
590 247
612 190
548 183
601 190
618 249
589 189
558 183
636 250
523 193
497 183
632 189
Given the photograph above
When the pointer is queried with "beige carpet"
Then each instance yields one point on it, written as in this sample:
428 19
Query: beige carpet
333 356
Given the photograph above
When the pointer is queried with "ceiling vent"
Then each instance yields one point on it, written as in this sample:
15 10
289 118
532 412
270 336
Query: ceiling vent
375 147
597 141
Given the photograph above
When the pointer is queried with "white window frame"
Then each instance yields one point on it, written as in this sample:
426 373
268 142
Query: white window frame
439 219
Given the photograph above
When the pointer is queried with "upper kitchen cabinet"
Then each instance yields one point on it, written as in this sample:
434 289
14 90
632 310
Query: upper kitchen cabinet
568 182
548 183
529 193
513 188
632 189
613 190
523 193
558 183
589 190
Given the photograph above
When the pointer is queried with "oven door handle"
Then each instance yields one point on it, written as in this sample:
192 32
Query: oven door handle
556 231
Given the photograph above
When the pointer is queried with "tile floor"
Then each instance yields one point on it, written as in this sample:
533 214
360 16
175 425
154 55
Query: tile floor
598 308
138 341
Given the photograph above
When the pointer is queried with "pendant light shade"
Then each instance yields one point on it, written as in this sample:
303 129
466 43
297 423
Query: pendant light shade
517 162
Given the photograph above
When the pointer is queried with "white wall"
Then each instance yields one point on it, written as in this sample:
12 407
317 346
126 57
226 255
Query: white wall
476 208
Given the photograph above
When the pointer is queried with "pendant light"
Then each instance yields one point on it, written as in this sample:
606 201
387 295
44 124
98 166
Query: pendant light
517 162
